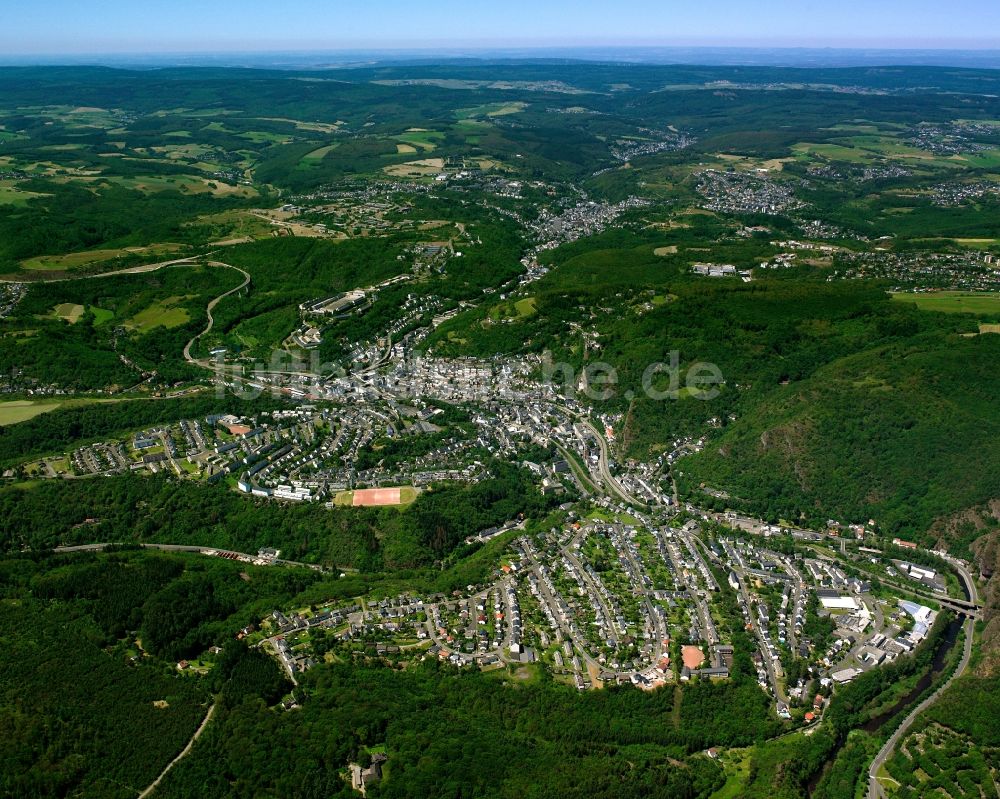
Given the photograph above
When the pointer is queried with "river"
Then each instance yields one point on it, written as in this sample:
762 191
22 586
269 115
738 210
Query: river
937 666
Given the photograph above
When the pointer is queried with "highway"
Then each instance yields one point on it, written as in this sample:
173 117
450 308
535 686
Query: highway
604 471
131 270
210 307
609 479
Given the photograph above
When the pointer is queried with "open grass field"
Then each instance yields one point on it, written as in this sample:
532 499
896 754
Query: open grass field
425 140
525 307
519 309
613 518
866 148
833 152
745 163
70 311
319 127
491 110
14 411
979 303
425 167
236 224
75 260
155 184
191 152
23 410
736 765
101 315
163 313
320 154
11 195
989 159
976 243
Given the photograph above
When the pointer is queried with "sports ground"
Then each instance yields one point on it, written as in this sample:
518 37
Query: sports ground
377 497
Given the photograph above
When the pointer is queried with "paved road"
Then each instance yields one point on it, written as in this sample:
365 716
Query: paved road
610 479
579 474
606 477
508 639
765 652
875 790
132 270
210 307
184 752
178 548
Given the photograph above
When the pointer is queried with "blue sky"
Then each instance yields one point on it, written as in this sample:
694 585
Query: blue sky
120 26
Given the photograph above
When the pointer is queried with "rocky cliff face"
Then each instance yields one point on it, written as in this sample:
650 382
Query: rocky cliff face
981 527
986 550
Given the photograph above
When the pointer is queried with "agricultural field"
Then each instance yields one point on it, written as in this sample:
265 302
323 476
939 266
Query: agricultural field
69 312
10 194
14 411
978 303
422 168
491 110
163 313
420 138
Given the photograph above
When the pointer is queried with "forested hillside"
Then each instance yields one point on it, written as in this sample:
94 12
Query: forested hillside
869 436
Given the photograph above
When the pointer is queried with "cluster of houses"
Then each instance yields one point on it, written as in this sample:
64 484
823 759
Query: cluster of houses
919 272
745 192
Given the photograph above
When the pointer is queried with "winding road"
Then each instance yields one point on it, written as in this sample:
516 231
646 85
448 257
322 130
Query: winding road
208 310
192 261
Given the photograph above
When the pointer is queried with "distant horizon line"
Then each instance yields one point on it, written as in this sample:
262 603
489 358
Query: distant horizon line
701 54
973 46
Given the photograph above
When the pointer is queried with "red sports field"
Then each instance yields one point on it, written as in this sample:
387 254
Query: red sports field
377 496
692 656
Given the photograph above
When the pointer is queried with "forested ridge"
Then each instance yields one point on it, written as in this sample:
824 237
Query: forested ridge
90 700
129 508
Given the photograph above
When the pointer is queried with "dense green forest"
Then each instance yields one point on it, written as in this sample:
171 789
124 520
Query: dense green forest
147 318
868 436
441 728
89 710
